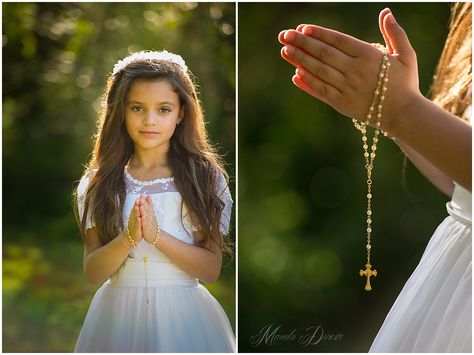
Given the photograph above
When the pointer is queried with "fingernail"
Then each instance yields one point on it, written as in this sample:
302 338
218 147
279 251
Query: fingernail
289 36
300 72
289 50
307 30
391 19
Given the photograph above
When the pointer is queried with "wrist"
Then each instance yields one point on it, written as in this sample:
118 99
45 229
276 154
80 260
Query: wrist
397 115
130 239
153 237
124 241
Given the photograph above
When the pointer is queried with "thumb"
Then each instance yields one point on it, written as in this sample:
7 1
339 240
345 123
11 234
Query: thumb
399 41
382 16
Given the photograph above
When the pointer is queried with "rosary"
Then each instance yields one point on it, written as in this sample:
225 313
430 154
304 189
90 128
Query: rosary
135 245
374 109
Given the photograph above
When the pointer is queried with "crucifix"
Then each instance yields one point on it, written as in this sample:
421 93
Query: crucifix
368 272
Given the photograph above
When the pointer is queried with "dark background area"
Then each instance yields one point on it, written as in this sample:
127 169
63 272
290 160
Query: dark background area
302 188
56 58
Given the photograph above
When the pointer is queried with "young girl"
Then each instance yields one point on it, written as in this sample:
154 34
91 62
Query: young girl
433 311
154 208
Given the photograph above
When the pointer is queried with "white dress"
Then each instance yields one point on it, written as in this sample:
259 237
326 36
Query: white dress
433 312
181 315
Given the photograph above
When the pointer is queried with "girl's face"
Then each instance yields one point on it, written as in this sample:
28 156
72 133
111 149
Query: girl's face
152 111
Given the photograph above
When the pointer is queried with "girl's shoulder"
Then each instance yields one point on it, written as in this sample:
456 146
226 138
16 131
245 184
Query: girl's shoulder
84 182
222 183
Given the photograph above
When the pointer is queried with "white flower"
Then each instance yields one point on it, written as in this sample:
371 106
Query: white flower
149 56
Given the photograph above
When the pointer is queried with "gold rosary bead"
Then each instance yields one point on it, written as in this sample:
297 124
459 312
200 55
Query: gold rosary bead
376 106
128 246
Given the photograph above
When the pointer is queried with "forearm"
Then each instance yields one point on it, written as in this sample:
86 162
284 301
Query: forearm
438 136
431 172
101 263
198 262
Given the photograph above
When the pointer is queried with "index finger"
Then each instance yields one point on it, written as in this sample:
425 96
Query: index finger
345 43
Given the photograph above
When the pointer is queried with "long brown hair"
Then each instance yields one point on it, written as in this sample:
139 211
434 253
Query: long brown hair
452 87
194 162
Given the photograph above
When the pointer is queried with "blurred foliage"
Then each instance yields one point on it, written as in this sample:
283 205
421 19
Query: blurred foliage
302 186
56 58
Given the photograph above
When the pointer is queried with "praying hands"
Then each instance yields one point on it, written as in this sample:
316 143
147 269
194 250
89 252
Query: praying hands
148 221
342 71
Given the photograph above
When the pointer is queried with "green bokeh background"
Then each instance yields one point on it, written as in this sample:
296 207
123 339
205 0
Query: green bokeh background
302 189
56 57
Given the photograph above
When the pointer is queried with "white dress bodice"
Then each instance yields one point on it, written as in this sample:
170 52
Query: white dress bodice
171 213
167 203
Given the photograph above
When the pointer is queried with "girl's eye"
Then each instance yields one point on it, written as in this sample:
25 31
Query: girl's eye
136 108
165 110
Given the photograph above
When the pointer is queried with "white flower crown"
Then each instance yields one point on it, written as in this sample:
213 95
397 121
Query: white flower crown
149 55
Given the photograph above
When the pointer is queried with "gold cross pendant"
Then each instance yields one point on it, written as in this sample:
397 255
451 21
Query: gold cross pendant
368 272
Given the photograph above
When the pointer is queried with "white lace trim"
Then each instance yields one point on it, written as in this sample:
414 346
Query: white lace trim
148 182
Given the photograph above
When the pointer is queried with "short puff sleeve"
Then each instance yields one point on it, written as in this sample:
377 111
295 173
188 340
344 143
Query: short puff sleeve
81 195
225 196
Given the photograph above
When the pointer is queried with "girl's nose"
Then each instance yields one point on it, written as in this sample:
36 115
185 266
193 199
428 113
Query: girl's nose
150 118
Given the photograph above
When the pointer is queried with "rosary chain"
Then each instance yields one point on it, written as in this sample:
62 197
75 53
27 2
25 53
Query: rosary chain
369 156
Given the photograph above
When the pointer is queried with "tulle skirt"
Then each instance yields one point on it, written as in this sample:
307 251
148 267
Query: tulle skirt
180 315
433 311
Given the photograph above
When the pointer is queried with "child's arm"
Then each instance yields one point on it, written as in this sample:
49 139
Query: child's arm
439 179
101 261
342 71
203 263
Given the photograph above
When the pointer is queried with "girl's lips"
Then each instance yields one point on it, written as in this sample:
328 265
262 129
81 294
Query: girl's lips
149 133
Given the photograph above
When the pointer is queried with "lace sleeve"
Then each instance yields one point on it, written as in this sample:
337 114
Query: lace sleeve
81 195
225 196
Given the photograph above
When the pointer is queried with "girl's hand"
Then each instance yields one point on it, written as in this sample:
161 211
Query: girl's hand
148 219
134 223
342 71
